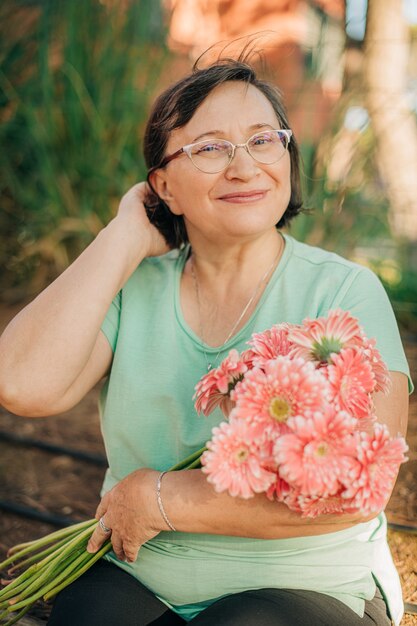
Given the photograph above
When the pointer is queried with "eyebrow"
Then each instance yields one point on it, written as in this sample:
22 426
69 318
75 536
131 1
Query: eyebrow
221 132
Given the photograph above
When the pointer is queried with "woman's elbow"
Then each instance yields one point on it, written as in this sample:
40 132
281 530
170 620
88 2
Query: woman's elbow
19 402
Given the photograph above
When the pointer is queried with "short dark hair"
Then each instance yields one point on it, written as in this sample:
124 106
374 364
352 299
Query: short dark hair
177 105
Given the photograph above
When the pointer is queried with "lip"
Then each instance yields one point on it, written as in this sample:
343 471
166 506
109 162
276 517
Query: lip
244 196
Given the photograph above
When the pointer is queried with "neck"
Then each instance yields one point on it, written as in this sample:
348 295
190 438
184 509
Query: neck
249 259
220 294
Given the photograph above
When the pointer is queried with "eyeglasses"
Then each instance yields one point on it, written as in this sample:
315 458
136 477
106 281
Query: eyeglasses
214 155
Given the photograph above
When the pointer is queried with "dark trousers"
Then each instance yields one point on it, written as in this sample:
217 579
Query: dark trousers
107 596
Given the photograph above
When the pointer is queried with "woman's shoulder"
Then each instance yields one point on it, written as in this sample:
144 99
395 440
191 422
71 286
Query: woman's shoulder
313 264
308 254
165 260
158 267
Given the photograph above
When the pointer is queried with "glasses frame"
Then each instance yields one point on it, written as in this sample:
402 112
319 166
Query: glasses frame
187 150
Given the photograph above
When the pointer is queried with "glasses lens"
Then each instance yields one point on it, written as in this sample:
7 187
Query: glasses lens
211 156
269 146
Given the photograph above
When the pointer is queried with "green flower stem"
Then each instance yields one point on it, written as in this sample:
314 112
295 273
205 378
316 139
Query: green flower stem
60 557
81 537
52 559
49 572
35 584
15 584
186 462
57 534
66 575
11 592
17 552
17 617
36 557
195 464
53 579
76 574
33 571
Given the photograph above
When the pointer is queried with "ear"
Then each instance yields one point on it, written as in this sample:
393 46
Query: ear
159 180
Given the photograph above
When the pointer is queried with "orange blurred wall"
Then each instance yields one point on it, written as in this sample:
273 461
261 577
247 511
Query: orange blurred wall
289 29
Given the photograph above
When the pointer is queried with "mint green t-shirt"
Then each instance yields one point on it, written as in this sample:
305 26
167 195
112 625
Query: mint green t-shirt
149 420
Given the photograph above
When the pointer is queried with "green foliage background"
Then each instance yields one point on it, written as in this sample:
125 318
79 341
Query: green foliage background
75 83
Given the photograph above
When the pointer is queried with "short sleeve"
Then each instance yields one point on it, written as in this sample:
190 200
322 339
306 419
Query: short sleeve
110 325
364 296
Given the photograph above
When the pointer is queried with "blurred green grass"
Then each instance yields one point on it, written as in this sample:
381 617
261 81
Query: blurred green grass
75 83
351 217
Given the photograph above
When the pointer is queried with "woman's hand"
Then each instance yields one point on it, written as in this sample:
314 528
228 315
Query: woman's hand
130 509
133 213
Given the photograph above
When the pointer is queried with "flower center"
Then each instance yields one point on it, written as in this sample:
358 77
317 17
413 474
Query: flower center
321 449
279 409
242 454
322 350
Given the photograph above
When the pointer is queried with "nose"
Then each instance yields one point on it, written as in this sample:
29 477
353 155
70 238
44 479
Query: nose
242 165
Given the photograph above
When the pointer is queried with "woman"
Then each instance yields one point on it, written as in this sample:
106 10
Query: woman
224 166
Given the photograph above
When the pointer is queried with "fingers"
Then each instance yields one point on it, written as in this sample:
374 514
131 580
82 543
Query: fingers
102 507
118 547
100 511
124 550
141 190
137 192
130 551
99 536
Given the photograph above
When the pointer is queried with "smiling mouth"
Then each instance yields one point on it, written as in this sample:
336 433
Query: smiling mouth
241 197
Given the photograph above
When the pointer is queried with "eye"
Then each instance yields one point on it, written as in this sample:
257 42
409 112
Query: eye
263 139
210 148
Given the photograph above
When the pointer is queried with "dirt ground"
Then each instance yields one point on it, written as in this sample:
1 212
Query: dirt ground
68 487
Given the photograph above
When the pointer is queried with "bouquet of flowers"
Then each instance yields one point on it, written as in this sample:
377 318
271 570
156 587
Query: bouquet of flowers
301 428
301 422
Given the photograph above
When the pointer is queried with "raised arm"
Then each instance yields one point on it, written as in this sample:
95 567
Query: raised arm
53 352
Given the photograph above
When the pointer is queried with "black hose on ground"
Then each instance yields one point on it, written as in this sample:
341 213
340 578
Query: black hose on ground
18 440
40 516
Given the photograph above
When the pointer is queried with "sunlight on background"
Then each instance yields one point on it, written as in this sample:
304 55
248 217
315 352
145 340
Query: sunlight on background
356 16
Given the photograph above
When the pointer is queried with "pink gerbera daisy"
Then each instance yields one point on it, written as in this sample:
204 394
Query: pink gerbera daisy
247 357
317 339
317 452
214 388
269 344
379 458
380 370
283 388
351 381
279 489
235 463
313 506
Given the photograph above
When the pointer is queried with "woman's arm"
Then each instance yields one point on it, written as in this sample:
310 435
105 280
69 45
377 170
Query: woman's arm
392 409
192 505
52 353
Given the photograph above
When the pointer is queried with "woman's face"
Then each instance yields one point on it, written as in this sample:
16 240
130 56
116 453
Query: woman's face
246 199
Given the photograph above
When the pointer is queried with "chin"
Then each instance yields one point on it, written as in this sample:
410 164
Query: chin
251 230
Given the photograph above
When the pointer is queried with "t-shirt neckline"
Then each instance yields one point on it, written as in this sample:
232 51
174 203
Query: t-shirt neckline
203 347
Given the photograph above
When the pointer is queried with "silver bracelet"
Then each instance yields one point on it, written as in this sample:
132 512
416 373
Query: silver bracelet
159 500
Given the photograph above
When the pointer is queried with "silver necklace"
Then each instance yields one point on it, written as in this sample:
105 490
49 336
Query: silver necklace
265 278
